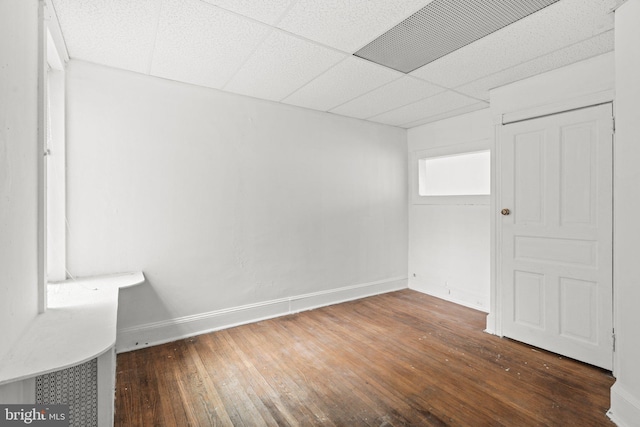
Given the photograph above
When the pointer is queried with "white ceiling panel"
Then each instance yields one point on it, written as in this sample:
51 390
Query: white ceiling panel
347 80
594 46
453 113
282 64
561 24
441 103
388 97
115 33
299 51
347 24
202 44
265 11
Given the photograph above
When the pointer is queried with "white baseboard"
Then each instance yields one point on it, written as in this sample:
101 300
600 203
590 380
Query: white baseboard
457 296
150 334
491 324
625 408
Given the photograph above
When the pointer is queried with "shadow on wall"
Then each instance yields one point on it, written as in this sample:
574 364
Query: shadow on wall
138 306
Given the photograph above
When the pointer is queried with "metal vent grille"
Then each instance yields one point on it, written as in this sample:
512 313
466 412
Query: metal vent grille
442 27
76 386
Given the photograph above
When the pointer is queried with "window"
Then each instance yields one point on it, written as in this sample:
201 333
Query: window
51 165
456 174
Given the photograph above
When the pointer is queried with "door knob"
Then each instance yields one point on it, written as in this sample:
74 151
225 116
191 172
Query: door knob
505 211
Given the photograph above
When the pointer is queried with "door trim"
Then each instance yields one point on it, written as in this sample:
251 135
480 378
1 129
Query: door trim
586 101
557 112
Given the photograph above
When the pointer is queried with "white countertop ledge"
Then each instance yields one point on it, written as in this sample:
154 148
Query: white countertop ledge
78 325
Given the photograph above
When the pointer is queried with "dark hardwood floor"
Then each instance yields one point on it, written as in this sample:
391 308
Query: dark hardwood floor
402 358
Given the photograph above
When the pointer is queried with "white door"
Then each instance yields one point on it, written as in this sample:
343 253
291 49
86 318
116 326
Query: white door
556 240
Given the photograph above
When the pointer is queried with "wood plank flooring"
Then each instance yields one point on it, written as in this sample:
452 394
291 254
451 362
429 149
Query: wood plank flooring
402 358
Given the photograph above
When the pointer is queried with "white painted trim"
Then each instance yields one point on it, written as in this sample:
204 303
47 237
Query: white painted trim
494 319
106 387
79 325
585 101
448 150
625 408
56 179
155 333
53 25
41 161
481 199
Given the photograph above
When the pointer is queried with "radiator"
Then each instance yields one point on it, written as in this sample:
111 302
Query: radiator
76 386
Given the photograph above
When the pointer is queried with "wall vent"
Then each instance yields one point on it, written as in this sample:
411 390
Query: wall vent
442 27
77 387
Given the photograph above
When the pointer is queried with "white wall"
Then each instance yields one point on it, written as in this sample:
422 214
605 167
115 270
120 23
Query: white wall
575 84
18 167
224 200
625 396
18 180
449 244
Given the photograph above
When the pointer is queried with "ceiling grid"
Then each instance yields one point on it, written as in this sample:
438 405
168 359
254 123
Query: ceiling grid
301 52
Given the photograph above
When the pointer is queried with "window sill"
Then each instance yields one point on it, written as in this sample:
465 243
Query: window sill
78 325
452 200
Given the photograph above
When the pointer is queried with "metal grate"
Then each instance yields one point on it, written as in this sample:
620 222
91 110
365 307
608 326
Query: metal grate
76 386
442 27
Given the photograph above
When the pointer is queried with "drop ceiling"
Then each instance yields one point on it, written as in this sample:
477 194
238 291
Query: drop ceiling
301 52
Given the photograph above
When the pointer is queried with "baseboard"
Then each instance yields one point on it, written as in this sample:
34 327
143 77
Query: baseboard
466 299
625 408
491 324
150 334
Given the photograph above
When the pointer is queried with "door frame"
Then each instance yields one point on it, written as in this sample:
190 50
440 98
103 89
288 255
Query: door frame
494 319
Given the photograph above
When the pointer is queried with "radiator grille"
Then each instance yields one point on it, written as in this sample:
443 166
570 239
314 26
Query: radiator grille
442 27
76 386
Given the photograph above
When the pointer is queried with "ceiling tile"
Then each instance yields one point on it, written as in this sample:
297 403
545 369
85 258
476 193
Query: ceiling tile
201 44
232 45
115 33
453 113
347 24
594 46
265 11
282 64
347 80
426 108
396 94
561 24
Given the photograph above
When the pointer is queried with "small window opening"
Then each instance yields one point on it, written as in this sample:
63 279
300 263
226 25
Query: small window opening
465 174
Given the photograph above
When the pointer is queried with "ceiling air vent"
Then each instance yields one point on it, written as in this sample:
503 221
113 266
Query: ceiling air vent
443 26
